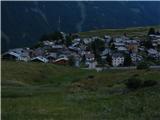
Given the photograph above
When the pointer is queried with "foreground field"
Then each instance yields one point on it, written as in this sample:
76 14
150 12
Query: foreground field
36 91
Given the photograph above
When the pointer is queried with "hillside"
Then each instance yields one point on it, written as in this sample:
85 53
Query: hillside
37 91
140 32
31 19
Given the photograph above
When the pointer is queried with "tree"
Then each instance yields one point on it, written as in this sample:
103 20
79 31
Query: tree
110 42
37 45
125 34
157 33
68 41
142 65
74 36
109 59
71 61
98 58
44 37
56 35
127 60
148 44
83 59
151 31
97 46
113 47
52 36
133 83
148 83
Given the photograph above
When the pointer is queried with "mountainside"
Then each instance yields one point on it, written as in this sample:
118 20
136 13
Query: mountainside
23 23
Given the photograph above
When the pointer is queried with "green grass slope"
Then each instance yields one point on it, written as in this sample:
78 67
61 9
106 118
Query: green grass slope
36 91
140 32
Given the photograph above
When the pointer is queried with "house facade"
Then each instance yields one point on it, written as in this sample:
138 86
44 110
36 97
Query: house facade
117 60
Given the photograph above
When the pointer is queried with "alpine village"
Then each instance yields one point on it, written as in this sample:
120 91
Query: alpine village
92 52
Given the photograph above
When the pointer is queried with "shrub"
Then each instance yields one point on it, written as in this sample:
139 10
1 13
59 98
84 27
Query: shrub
133 83
71 61
135 75
90 77
149 83
142 65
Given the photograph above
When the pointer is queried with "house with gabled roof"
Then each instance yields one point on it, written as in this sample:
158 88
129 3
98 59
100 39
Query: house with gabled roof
17 54
51 56
153 53
39 59
61 61
117 59
136 58
132 45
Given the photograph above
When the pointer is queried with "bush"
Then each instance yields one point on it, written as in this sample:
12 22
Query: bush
133 83
135 75
149 83
142 65
71 61
90 77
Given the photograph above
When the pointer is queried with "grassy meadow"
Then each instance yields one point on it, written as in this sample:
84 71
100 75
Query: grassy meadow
37 91
134 32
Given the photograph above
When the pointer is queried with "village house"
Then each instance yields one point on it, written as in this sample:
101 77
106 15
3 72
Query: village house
141 49
89 57
119 42
17 54
76 40
10 56
76 44
62 55
62 61
57 47
122 49
153 53
132 45
154 37
39 59
58 53
124 37
90 60
92 65
107 39
48 43
75 49
38 52
117 59
106 51
136 58
87 40
156 42
63 35
67 52
77 60
51 56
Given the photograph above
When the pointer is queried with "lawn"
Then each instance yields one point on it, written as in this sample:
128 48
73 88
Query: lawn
37 91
